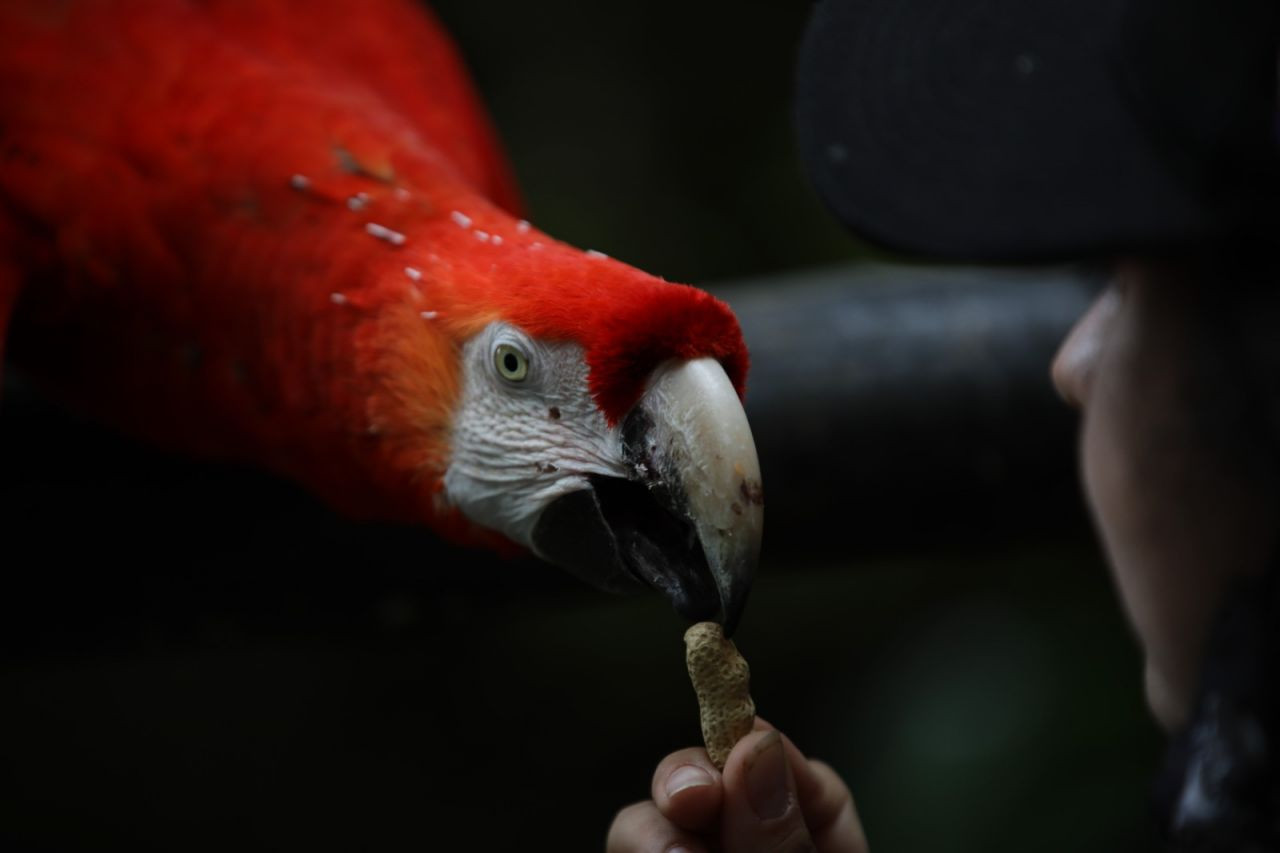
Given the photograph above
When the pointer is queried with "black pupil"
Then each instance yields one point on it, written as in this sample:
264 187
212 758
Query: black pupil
510 363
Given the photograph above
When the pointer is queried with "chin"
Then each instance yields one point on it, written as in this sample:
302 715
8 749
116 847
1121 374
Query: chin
1169 706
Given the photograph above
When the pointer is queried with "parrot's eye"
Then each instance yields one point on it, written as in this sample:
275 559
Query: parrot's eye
511 363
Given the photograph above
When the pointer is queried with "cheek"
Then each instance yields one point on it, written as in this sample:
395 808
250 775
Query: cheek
1113 487
1163 599
1176 523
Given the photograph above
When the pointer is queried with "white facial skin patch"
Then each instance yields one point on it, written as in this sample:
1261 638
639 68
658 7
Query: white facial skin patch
526 431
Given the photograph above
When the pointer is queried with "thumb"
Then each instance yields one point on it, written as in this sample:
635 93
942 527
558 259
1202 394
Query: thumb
761 810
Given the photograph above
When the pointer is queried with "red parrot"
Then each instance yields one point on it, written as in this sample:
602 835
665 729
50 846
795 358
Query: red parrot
282 232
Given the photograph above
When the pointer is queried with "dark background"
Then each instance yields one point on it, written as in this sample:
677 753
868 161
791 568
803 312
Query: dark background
195 656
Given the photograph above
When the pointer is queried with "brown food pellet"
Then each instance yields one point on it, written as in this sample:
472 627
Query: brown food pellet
721 680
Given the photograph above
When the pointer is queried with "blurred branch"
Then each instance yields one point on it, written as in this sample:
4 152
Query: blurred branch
894 405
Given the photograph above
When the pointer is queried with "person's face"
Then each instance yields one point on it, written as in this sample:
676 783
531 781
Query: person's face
1165 481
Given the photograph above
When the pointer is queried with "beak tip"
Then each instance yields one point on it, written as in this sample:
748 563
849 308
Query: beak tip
690 430
733 601
729 621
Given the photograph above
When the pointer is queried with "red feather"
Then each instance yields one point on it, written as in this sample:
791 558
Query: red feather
217 204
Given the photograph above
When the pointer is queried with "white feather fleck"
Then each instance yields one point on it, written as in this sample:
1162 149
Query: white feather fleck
358 201
593 254
382 232
522 226
413 273
337 299
300 182
429 315
461 219
481 235
497 239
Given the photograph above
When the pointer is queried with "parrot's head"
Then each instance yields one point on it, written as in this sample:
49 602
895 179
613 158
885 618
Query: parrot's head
597 419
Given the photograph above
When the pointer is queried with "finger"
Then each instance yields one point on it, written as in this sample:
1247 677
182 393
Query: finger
825 801
795 757
761 811
828 809
687 790
809 787
641 828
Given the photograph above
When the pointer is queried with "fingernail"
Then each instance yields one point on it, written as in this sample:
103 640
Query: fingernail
686 776
768 783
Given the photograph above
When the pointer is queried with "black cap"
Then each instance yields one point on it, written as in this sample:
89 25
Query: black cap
1013 130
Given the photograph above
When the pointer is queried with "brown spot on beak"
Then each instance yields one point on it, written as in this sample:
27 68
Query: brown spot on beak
752 492
554 412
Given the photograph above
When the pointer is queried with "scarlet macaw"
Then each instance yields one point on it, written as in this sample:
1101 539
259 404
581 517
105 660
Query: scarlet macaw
282 232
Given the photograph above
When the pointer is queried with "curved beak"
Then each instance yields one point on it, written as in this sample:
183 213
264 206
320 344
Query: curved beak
688 519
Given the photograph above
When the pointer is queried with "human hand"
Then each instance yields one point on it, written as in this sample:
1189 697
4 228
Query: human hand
769 798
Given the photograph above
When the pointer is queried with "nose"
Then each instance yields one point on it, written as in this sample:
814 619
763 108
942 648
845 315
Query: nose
1076 361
